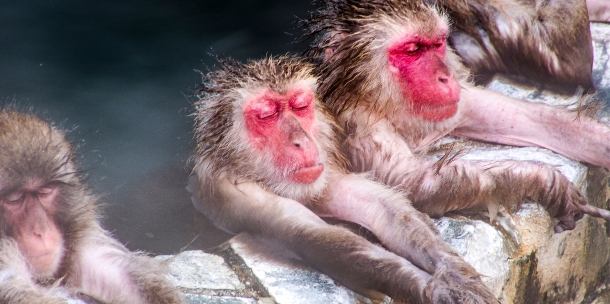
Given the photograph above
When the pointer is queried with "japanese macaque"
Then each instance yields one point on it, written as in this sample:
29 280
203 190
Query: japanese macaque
51 243
547 41
267 161
396 87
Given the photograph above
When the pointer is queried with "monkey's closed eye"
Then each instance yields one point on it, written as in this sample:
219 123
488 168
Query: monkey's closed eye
300 108
14 197
44 191
411 48
267 115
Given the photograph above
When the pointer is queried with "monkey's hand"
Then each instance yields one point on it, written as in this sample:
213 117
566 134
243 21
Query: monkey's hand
570 206
545 185
408 233
438 292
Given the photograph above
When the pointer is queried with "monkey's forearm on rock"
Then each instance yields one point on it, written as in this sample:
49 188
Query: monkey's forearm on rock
493 117
436 188
336 251
245 206
390 216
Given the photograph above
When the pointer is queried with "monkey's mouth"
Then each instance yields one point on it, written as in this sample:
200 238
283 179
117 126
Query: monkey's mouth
306 175
438 112
45 264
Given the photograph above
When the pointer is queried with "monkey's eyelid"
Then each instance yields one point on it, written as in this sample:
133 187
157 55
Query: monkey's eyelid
46 190
267 115
303 107
14 197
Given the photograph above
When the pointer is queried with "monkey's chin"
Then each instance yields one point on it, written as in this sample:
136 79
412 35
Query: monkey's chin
44 266
438 113
307 175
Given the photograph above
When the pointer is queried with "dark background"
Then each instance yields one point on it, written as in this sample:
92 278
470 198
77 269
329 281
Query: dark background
119 74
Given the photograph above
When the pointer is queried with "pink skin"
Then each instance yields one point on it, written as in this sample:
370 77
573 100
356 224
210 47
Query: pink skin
599 10
30 212
426 82
285 125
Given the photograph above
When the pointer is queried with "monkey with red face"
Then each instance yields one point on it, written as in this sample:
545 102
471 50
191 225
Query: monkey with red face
267 161
50 236
388 75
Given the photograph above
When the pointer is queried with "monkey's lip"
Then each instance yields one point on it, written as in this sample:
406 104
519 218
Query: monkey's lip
439 112
306 175
44 263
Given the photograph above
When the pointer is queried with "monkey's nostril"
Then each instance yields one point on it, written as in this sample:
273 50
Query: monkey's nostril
444 80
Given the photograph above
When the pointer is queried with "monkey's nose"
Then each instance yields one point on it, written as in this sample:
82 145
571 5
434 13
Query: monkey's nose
300 141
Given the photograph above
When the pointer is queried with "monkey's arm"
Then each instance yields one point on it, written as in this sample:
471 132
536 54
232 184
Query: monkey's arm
16 284
436 188
599 10
343 255
493 117
403 230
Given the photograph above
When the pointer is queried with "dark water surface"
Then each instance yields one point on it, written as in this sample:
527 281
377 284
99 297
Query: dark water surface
120 73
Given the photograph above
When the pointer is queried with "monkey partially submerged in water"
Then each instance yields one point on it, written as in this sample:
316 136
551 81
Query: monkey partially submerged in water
50 235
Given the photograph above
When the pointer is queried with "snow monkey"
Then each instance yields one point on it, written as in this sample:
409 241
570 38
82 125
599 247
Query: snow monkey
386 72
51 242
267 161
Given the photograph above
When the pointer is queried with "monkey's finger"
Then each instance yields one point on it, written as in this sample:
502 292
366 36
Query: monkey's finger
595 211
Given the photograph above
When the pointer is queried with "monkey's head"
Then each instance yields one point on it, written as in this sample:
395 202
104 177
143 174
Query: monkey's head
37 182
391 53
261 121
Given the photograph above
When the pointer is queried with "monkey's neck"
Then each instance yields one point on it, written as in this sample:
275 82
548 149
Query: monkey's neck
418 133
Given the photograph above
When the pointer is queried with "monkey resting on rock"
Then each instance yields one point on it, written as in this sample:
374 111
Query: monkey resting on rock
267 161
387 74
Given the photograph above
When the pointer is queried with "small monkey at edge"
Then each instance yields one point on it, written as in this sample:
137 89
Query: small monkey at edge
49 230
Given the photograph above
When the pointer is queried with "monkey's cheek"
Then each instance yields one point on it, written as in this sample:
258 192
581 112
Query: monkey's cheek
306 175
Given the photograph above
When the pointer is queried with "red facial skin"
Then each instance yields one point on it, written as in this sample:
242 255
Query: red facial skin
425 81
285 125
29 212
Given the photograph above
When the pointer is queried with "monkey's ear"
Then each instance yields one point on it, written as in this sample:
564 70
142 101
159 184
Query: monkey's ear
329 52
332 45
